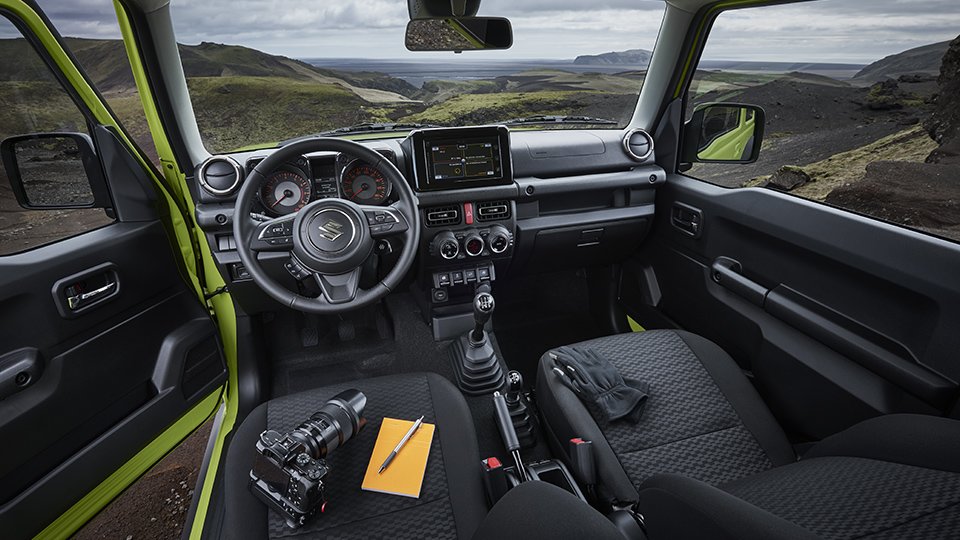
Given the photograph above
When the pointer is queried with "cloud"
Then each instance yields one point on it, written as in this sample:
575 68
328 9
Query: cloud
825 30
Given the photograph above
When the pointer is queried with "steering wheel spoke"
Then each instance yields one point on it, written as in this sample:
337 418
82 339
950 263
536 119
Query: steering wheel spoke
273 235
385 221
339 288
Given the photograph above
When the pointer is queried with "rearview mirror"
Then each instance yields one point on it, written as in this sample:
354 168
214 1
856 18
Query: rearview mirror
459 34
723 133
54 170
427 9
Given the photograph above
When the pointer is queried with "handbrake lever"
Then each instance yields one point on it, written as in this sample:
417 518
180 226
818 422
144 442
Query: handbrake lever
508 433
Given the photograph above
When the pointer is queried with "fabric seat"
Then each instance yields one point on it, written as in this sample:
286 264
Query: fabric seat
707 458
451 502
702 419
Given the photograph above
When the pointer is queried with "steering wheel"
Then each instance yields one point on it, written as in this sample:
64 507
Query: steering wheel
328 239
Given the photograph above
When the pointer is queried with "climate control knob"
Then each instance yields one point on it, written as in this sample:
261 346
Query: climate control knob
473 244
499 239
445 246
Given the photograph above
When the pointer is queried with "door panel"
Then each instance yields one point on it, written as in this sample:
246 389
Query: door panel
107 356
837 316
114 375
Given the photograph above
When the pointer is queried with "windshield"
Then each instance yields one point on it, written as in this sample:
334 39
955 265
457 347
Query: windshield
261 72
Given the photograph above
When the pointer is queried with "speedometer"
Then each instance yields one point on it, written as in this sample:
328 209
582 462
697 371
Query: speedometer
364 184
284 192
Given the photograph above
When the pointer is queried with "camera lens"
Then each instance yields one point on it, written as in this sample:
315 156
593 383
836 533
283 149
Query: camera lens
335 423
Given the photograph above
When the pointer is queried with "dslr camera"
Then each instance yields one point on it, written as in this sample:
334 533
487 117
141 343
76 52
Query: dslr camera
289 469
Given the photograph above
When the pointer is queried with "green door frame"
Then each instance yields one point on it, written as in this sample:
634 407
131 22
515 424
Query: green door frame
194 252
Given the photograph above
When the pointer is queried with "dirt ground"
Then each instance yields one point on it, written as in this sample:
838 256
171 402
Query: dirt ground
22 229
156 506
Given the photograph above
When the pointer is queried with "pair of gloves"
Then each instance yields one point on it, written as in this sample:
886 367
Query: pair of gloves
599 385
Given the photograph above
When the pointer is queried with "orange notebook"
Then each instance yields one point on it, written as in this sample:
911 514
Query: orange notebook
404 476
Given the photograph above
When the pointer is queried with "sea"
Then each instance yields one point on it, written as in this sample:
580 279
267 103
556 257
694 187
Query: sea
416 72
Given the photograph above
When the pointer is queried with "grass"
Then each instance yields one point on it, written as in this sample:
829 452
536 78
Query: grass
911 145
35 106
501 105
233 111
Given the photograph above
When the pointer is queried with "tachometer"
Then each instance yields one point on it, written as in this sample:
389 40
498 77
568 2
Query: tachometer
284 192
364 184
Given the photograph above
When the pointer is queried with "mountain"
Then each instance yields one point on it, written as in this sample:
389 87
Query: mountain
632 57
921 60
106 63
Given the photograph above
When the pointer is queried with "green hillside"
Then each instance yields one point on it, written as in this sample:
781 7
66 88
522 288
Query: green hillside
923 60
229 109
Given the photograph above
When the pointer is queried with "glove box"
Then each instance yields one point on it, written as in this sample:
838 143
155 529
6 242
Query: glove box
581 239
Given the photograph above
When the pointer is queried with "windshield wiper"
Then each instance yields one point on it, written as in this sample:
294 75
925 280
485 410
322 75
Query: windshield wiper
558 119
366 127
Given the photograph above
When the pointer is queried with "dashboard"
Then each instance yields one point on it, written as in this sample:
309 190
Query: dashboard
493 203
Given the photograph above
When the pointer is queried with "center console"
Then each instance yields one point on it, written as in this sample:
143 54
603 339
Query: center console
464 180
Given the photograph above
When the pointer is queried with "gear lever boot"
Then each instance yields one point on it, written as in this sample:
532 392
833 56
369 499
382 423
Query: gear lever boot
475 363
520 413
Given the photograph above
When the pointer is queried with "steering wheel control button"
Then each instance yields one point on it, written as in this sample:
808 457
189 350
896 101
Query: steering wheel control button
296 270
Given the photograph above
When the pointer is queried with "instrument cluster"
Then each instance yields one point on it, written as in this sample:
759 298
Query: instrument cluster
295 184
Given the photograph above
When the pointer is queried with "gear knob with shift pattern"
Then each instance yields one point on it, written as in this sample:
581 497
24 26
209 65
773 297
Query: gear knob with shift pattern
483 306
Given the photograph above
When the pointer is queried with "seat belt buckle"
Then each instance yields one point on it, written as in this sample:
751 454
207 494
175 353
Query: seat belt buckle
494 479
582 461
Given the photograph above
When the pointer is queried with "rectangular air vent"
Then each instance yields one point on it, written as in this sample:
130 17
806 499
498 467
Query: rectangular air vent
443 215
493 210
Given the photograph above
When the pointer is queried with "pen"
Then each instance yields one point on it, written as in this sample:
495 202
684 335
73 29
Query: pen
413 429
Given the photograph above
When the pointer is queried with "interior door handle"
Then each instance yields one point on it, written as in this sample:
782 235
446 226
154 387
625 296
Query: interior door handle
77 301
687 219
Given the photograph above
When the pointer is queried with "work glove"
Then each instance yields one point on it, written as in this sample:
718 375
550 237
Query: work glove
599 385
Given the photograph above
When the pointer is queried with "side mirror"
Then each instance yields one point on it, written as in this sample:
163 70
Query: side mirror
54 170
459 34
723 133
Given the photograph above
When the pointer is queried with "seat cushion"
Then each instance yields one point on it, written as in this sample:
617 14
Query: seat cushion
703 419
451 502
540 510
896 476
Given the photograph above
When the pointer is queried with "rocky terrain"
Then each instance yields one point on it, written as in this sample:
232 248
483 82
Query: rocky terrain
890 150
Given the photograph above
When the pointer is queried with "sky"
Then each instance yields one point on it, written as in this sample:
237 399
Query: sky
854 31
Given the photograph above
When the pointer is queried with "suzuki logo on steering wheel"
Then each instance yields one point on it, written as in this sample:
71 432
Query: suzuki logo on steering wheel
331 230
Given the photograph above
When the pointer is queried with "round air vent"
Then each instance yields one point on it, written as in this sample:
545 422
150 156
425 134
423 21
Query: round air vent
220 175
638 144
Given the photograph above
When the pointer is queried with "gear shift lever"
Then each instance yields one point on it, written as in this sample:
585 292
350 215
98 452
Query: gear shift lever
475 363
483 306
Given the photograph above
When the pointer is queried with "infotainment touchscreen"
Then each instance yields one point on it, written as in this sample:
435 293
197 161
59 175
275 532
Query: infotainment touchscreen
454 158
464 160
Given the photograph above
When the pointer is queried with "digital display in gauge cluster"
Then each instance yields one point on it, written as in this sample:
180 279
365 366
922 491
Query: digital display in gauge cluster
324 178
